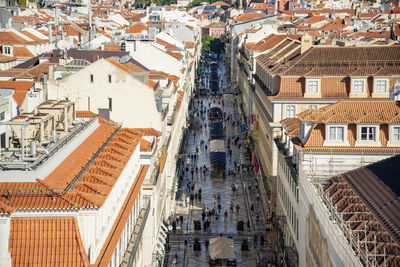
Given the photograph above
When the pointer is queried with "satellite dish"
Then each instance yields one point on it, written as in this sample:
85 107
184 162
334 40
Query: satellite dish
117 59
125 58
62 44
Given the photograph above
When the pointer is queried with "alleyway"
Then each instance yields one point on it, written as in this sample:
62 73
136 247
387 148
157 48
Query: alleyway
236 194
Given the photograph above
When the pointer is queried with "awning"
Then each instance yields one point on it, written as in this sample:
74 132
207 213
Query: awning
222 248
217 145
217 157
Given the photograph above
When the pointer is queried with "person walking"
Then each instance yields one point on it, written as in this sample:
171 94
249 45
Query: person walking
255 240
225 215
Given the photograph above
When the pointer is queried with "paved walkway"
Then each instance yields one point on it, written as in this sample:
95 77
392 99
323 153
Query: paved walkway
217 191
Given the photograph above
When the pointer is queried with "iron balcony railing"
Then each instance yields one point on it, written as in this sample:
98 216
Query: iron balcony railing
139 233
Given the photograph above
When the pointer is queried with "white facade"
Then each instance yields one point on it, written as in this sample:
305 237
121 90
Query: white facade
127 96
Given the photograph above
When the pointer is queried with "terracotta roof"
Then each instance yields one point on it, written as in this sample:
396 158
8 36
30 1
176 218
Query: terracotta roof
111 47
272 40
179 100
21 88
46 241
95 183
166 44
120 65
137 28
5 59
33 37
249 16
12 38
189 44
351 113
177 56
173 77
292 126
344 60
154 74
21 51
219 3
314 19
372 111
116 231
145 146
152 84
148 131
367 199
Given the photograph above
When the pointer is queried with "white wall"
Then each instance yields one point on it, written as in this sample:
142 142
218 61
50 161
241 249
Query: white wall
131 97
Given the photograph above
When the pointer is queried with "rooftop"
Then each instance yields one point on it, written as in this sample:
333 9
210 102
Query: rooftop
368 199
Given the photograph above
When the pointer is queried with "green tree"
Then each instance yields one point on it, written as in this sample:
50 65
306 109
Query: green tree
217 45
216 14
206 40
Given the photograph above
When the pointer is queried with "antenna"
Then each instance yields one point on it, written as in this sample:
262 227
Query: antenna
90 22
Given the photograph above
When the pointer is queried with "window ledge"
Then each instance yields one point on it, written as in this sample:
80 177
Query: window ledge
393 143
336 143
310 95
380 95
368 143
361 95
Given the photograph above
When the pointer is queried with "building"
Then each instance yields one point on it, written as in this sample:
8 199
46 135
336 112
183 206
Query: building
78 182
112 87
353 219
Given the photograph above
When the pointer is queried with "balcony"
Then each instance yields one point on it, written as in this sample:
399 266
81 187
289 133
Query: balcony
262 86
286 159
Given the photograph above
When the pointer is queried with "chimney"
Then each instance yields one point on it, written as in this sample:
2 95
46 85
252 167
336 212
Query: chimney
45 78
306 43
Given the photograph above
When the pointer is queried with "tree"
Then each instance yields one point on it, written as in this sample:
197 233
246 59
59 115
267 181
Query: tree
206 40
216 14
217 45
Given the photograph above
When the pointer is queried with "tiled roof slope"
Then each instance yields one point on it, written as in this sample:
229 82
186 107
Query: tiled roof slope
355 112
345 60
271 41
21 88
50 241
352 113
95 183
112 240
367 198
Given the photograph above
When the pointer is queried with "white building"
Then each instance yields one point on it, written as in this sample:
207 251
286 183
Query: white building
110 88
87 194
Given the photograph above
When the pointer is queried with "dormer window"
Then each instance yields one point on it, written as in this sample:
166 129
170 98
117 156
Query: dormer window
336 135
358 86
313 86
7 50
394 135
381 86
368 135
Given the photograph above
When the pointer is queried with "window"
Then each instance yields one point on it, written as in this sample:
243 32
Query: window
6 50
110 104
313 86
381 86
312 107
290 111
396 134
2 115
358 86
88 103
91 78
368 133
336 133
109 78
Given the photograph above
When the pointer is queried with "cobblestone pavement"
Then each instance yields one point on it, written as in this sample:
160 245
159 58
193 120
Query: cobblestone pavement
245 197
